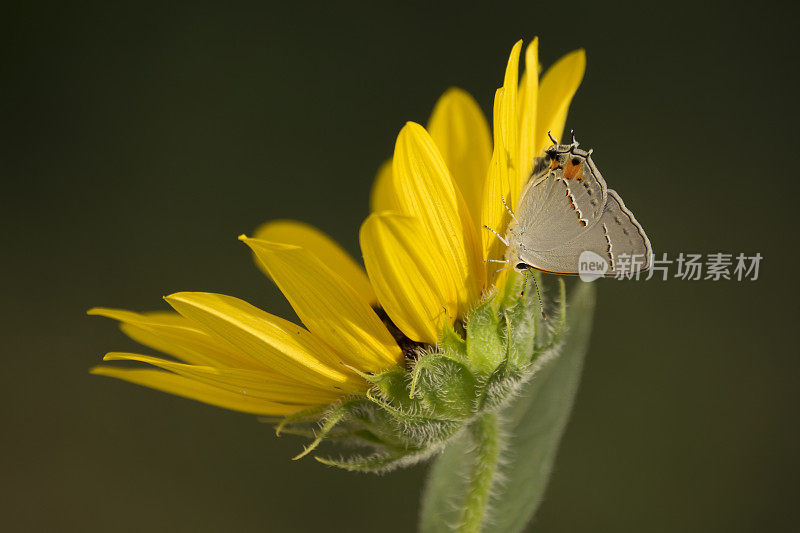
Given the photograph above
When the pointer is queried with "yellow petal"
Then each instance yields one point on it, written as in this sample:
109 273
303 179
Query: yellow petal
528 98
460 131
276 343
322 246
254 384
509 124
556 90
498 187
426 192
382 197
405 272
175 335
504 181
189 388
329 308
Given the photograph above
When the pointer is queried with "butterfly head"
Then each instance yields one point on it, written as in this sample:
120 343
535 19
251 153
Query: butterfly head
514 239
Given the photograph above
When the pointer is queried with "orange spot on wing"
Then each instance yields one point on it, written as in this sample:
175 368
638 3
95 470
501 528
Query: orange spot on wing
573 171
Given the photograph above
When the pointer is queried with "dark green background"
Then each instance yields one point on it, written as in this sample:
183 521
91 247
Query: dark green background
140 140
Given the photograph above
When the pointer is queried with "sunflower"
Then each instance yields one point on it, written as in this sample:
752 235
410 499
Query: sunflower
423 251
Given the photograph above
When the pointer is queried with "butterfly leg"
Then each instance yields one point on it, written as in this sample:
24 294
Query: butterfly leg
501 261
527 275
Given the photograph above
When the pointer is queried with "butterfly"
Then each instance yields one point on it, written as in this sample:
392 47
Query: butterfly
566 210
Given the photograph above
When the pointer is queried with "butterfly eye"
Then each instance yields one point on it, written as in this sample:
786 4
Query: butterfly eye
521 266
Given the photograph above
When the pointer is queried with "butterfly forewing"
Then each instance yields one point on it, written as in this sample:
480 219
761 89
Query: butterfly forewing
564 198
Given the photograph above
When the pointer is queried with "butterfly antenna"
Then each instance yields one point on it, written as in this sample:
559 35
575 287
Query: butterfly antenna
551 137
572 134
510 212
498 235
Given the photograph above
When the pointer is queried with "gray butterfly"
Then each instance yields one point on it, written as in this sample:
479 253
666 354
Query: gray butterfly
567 209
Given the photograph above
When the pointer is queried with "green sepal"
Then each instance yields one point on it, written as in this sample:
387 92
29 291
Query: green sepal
447 387
453 345
508 293
334 416
420 426
378 463
522 328
307 416
485 344
367 418
393 386
500 387
371 463
341 435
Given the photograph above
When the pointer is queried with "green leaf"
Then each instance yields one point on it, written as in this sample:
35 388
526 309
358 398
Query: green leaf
533 423
445 492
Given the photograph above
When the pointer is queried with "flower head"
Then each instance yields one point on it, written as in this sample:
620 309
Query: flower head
426 302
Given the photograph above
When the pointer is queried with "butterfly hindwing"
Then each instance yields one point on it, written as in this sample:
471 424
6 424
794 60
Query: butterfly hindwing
617 237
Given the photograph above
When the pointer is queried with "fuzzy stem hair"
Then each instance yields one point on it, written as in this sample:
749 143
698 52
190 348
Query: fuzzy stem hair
485 435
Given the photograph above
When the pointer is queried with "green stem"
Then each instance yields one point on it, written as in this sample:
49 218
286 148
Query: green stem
486 439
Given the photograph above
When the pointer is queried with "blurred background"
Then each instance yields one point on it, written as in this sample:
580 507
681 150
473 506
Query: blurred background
140 140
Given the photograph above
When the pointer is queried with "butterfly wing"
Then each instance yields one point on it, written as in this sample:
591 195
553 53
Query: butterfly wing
616 236
563 199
